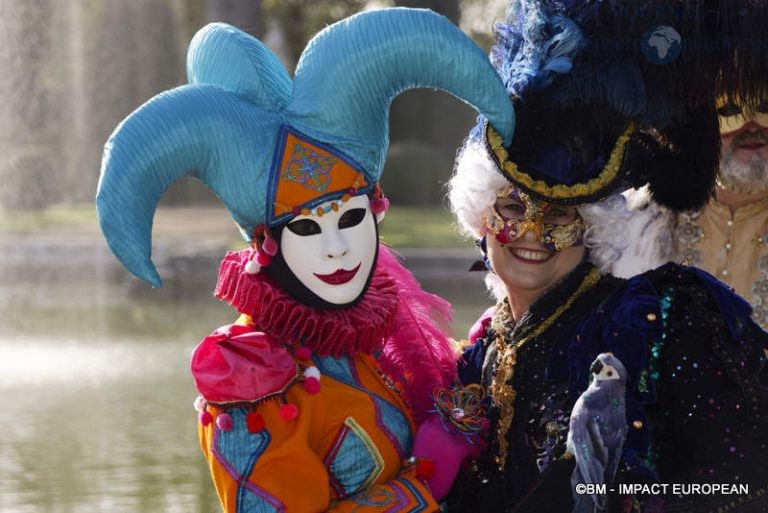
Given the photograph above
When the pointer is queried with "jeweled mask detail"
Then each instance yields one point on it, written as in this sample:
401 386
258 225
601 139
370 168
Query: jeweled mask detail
514 213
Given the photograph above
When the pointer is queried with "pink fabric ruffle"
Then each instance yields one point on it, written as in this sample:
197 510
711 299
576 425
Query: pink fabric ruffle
478 329
395 316
344 331
237 364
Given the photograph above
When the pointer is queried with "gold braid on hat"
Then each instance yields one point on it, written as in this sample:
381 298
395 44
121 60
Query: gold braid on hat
560 191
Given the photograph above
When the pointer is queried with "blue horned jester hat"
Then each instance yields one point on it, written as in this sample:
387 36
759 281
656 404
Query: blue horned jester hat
597 112
271 147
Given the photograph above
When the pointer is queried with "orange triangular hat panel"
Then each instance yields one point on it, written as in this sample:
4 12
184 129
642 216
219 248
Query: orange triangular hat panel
308 173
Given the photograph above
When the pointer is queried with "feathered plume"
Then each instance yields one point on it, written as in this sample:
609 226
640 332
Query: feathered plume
582 64
419 350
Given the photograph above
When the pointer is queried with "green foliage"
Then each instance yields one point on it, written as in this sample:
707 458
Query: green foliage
415 174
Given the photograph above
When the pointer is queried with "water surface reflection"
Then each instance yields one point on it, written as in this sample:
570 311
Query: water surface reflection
98 398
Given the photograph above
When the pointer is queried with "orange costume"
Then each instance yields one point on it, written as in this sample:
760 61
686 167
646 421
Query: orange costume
343 452
275 441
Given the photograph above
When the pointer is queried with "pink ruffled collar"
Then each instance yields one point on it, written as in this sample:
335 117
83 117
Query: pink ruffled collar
395 316
363 328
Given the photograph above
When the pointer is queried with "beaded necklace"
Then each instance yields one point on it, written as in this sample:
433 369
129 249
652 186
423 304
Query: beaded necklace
502 390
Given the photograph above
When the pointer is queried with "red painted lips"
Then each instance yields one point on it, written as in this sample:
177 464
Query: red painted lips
340 276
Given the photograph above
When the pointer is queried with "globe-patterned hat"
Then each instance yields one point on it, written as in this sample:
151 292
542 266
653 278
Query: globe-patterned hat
612 94
272 147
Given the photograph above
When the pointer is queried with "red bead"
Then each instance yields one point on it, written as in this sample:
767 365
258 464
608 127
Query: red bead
206 418
270 247
312 385
255 422
296 211
425 468
263 259
379 205
289 412
303 353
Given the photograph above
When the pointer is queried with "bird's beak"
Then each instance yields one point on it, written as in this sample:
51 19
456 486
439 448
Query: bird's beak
596 367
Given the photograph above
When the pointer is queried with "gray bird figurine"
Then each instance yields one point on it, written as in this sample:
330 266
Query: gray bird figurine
597 431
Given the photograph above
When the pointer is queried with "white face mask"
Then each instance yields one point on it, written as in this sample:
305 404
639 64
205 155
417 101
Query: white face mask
333 255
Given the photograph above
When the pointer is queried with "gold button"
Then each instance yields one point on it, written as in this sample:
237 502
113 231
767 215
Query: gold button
728 246
651 317
638 424
729 223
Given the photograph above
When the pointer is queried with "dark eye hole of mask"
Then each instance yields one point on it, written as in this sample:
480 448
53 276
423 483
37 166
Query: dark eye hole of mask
304 227
351 218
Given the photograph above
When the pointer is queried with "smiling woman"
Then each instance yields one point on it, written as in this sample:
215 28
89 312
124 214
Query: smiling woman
597 382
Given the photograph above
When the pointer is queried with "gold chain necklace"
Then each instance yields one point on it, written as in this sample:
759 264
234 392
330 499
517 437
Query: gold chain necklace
502 391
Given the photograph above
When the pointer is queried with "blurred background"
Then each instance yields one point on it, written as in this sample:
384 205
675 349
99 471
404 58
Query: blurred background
93 363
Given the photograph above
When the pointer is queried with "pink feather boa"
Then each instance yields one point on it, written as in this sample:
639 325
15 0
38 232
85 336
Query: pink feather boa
395 317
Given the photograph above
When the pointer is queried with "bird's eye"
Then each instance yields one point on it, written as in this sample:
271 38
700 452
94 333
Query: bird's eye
610 373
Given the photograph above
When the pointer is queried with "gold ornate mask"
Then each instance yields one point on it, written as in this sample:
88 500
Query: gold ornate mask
518 213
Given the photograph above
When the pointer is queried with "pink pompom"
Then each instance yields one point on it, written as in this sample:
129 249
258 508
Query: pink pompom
289 412
263 259
206 418
312 385
303 353
270 247
380 205
225 422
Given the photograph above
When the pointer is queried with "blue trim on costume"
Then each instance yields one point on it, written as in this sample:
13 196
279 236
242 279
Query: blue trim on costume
422 503
237 451
390 420
353 465
395 426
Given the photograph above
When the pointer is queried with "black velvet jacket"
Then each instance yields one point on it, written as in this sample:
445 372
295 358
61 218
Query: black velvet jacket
696 396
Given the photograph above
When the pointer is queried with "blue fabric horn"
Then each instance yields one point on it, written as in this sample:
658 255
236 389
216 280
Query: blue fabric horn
225 127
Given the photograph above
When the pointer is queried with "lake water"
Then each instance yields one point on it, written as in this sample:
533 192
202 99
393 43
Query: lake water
96 392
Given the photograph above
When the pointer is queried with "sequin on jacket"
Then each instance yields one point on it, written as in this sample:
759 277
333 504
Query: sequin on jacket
696 397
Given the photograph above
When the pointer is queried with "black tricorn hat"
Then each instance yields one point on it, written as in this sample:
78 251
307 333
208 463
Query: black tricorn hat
611 95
